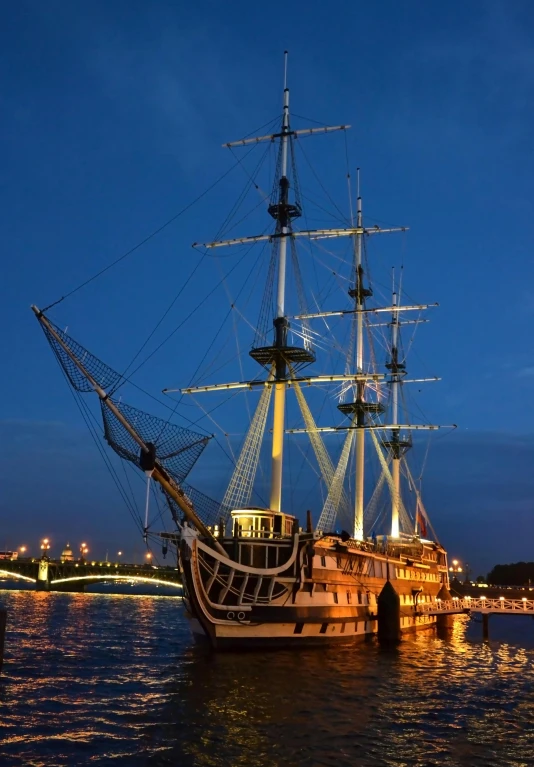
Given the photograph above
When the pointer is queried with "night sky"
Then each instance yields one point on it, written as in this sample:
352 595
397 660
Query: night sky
113 116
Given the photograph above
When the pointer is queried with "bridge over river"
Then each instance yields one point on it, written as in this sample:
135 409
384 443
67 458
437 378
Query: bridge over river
54 575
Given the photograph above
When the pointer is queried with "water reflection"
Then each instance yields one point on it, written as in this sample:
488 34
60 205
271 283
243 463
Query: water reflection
96 679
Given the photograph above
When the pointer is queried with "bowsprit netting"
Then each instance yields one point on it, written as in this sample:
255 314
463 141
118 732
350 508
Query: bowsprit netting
177 449
209 510
102 374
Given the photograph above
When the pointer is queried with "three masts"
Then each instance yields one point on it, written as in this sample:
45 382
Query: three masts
266 579
283 361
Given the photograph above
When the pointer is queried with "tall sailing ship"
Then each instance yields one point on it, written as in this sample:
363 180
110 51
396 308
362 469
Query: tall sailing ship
253 574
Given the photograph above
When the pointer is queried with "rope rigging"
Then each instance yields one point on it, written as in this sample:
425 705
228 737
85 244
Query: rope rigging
144 241
178 448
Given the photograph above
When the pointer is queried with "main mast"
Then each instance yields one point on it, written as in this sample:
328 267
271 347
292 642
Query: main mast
396 444
358 409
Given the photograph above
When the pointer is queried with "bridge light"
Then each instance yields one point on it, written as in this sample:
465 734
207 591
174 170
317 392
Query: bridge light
455 562
483 596
148 555
459 569
501 597
22 549
523 599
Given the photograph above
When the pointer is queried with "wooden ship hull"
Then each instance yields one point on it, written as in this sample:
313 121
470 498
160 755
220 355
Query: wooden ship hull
311 589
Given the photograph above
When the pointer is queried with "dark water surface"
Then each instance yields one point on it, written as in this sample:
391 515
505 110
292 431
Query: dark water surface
94 679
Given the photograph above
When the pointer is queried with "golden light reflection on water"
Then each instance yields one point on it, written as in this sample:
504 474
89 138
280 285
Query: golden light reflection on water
119 678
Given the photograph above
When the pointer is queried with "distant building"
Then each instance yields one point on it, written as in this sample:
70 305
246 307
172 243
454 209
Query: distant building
9 554
66 554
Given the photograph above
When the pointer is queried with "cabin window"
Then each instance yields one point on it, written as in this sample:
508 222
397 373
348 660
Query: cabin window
336 600
349 598
360 598
339 562
246 525
289 525
323 561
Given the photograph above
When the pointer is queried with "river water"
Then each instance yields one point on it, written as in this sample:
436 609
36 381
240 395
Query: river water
92 679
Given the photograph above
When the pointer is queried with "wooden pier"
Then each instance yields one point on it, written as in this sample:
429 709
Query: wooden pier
480 605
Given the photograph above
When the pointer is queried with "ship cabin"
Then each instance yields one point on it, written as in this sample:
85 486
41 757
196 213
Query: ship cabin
261 537
262 523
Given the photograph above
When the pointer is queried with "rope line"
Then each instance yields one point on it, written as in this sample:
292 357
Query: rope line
144 241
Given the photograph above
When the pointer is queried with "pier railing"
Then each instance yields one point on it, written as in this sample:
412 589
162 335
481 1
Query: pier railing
482 605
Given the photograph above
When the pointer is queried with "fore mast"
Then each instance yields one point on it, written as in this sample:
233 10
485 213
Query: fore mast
281 212
280 355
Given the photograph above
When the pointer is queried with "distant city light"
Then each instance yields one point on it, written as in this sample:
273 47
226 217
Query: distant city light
148 555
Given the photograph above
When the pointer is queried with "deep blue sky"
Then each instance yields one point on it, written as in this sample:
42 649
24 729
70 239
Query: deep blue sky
112 119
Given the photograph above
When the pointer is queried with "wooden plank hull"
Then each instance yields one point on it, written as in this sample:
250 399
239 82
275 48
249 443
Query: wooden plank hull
326 593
